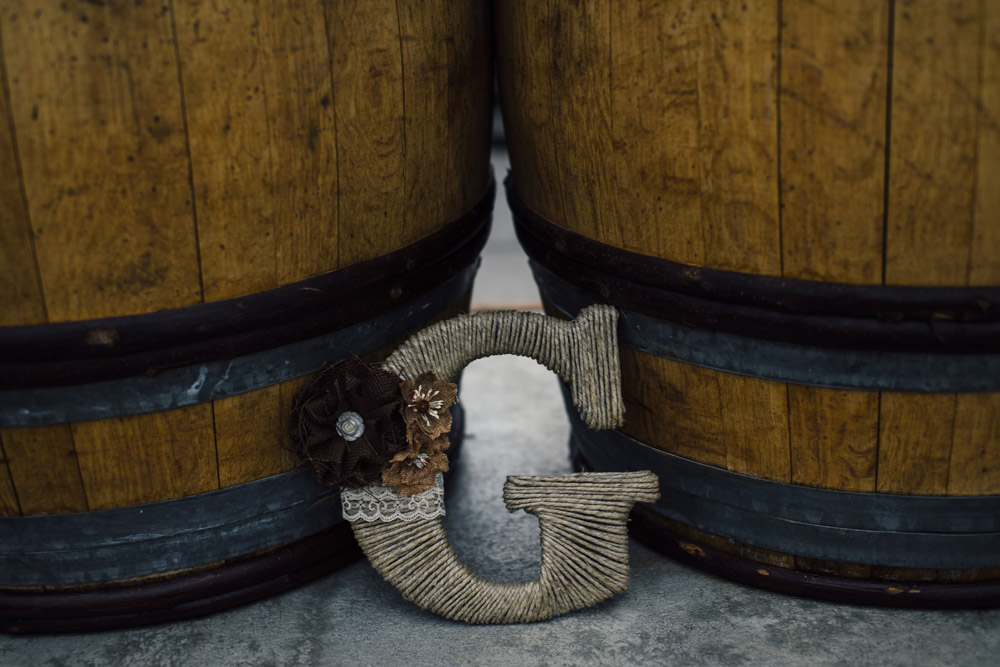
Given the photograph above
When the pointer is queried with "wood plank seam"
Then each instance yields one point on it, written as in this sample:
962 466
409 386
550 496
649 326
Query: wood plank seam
402 95
333 106
554 104
187 147
951 445
788 415
615 208
20 177
888 144
878 436
10 480
778 50
978 147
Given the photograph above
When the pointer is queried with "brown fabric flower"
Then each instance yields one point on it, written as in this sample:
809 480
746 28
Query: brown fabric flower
411 476
421 443
346 425
425 410
427 402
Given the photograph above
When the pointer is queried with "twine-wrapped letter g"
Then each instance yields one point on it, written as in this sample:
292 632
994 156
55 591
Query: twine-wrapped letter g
582 516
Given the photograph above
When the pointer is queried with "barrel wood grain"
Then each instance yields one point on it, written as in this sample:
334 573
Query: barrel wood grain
915 442
841 143
264 163
834 445
8 496
423 34
984 261
975 466
833 102
526 90
930 209
654 150
100 134
583 98
673 407
139 459
118 195
833 436
20 292
469 45
249 435
259 146
370 130
221 66
931 188
833 99
302 138
738 135
44 469
754 417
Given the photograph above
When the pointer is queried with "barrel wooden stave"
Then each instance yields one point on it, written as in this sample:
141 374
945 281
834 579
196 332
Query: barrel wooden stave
775 139
166 156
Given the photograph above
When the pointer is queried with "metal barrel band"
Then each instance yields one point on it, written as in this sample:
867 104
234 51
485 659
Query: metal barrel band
187 595
887 593
209 381
140 540
791 295
79 352
859 369
932 532
872 317
215 358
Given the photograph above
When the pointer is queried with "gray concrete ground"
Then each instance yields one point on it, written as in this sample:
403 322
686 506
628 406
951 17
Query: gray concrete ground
671 615
504 280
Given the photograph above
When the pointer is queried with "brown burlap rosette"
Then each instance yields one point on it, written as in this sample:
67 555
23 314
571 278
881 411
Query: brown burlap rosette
356 424
334 456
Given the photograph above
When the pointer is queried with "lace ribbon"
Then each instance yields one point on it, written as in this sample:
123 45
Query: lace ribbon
381 503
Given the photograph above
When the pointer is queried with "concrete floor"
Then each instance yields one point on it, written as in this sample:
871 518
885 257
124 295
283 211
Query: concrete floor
671 615
504 280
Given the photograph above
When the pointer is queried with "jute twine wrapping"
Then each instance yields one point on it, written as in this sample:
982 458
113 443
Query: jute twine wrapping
582 517
583 352
584 551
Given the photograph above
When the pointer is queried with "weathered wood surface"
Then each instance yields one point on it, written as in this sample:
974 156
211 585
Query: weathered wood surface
159 156
837 142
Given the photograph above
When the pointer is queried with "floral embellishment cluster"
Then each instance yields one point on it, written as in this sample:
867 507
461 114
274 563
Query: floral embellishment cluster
425 403
428 421
356 424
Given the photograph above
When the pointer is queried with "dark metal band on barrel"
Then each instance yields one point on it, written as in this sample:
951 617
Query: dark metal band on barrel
706 326
872 370
159 537
97 369
872 528
135 541
834 315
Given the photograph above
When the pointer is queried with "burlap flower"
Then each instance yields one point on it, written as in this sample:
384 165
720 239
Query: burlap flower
427 402
346 425
421 443
411 476
425 410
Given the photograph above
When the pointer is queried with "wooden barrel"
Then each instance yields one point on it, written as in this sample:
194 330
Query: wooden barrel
795 206
201 202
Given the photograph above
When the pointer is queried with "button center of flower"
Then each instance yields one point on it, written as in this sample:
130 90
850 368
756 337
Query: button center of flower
350 426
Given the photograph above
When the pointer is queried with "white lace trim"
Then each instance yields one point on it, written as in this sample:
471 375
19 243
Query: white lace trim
382 503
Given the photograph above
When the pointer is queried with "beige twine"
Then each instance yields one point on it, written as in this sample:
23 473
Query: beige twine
582 516
584 551
583 352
